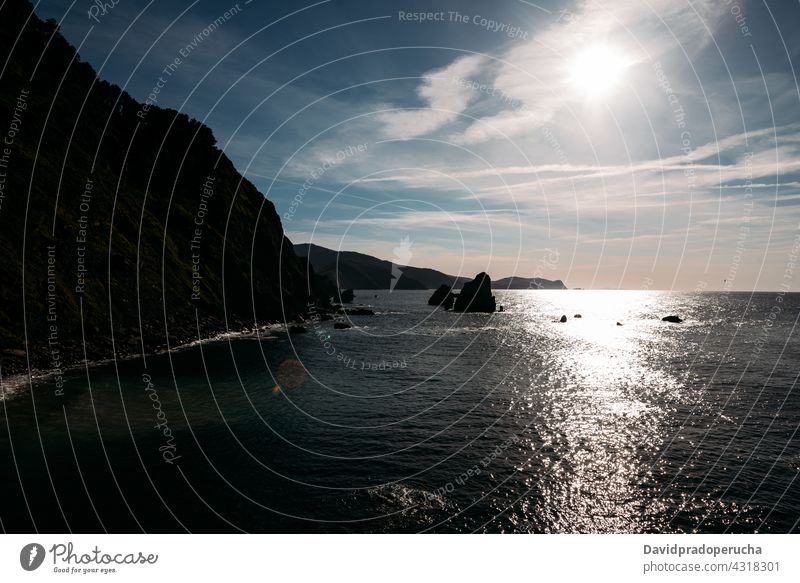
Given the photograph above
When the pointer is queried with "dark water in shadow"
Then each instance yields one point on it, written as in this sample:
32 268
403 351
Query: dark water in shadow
422 420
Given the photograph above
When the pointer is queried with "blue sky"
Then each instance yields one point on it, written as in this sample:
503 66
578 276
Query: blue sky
652 144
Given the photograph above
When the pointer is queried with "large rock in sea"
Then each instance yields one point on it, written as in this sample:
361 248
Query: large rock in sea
439 295
476 296
443 296
672 319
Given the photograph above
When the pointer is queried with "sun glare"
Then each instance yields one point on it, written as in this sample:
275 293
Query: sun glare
597 70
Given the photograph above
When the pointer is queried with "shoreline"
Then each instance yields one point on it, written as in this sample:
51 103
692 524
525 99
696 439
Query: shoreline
16 383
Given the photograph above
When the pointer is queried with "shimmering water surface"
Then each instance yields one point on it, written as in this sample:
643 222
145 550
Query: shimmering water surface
423 420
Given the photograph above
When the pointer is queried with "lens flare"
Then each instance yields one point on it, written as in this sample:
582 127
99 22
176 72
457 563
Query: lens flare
596 71
290 375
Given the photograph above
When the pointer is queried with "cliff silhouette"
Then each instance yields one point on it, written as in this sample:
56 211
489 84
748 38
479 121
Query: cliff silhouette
123 228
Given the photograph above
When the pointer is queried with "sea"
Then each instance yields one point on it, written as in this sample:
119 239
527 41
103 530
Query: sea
416 419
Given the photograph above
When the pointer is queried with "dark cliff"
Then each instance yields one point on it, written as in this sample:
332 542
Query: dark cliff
118 221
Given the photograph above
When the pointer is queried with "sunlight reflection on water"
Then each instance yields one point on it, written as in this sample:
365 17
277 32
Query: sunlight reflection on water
587 426
603 405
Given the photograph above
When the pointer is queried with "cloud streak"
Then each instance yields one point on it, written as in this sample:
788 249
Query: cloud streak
445 101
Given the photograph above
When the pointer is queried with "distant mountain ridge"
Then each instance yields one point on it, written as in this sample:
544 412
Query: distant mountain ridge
354 270
515 282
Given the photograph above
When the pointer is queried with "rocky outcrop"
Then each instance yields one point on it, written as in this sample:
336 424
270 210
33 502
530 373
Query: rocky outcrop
476 296
439 295
444 297
672 319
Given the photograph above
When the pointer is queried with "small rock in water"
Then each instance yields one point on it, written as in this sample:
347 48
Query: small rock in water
577 316
563 319
673 319
619 324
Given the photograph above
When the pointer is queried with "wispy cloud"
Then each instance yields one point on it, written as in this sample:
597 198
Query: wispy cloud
668 173
536 76
445 101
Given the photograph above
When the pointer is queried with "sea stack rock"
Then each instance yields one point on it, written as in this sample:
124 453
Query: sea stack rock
673 319
476 296
443 297
347 296
563 318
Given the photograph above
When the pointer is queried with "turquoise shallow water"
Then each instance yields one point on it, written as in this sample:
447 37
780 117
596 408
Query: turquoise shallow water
423 420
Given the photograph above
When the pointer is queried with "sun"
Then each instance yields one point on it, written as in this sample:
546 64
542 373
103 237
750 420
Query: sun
597 70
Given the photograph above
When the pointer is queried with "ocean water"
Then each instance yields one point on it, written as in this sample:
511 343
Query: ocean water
420 420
